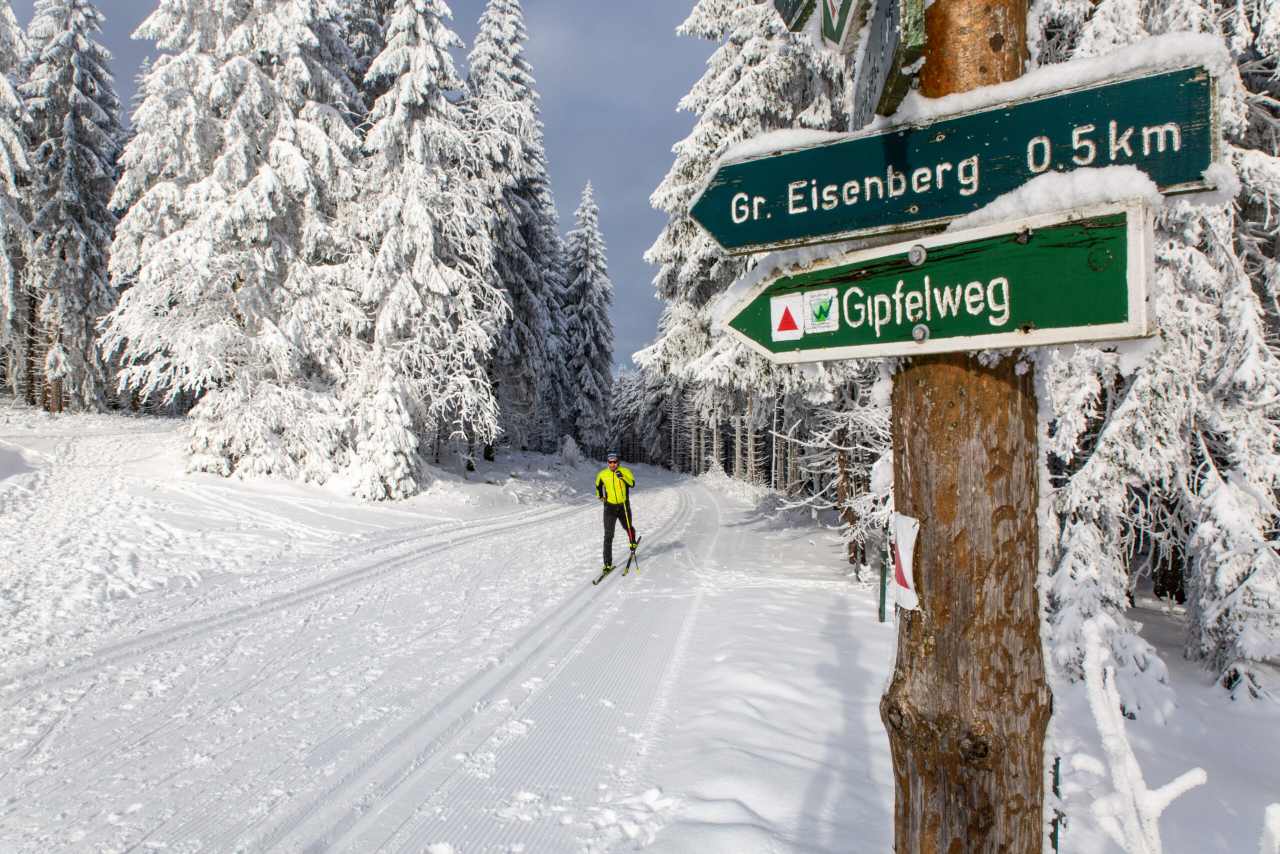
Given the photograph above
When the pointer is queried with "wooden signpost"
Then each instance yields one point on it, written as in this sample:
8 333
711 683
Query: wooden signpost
1052 279
913 177
968 705
895 43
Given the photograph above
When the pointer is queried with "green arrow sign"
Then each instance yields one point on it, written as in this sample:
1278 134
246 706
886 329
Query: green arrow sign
911 176
1053 279
841 21
794 12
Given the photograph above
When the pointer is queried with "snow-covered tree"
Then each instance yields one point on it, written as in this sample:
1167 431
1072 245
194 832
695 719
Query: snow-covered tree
233 184
761 78
429 292
75 140
502 112
590 326
1180 454
363 28
14 302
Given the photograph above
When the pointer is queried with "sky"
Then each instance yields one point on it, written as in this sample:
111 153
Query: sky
609 74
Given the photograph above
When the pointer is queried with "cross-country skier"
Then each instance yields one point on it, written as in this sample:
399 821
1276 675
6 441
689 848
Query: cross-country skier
613 486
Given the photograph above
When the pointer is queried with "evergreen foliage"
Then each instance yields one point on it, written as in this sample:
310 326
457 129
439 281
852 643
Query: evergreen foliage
502 112
14 340
242 157
426 264
75 140
761 78
1176 459
590 332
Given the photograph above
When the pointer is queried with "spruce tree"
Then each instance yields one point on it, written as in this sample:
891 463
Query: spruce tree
590 332
75 139
501 108
1175 458
432 308
761 78
233 184
14 301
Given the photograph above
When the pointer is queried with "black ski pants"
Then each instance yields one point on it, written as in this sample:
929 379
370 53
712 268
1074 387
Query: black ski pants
613 514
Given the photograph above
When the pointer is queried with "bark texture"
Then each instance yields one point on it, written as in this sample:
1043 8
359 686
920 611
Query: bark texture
968 705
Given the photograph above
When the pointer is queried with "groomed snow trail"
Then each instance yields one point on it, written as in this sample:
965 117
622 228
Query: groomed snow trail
458 682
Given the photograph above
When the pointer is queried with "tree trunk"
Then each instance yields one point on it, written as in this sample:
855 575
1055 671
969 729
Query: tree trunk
968 706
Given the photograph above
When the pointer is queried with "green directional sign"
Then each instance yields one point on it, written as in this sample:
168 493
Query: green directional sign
841 21
795 12
1053 279
914 176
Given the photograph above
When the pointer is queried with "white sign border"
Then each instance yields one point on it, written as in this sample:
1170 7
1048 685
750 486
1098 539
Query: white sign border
1140 272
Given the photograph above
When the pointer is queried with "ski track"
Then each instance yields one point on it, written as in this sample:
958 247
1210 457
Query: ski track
329 710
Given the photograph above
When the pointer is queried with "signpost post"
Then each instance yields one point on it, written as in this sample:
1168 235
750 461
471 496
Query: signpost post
1052 279
912 177
968 705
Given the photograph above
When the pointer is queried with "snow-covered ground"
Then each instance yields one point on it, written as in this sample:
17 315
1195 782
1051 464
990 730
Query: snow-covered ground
195 664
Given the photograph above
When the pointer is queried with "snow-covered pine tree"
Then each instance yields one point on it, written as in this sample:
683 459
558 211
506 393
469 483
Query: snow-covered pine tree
75 142
233 184
428 283
590 326
502 112
14 302
624 418
761 78
363 27
1181 454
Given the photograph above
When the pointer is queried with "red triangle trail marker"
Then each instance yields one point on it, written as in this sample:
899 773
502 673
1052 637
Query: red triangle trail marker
788 323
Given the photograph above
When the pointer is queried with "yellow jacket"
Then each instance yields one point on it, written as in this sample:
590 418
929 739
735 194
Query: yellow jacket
615 488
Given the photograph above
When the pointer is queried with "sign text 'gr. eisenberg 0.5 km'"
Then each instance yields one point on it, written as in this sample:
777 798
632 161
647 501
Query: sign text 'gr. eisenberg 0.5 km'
1081 275
913 177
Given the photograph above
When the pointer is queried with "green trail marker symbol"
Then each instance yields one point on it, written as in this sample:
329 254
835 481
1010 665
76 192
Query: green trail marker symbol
916 176
795 12
1081 275
841 22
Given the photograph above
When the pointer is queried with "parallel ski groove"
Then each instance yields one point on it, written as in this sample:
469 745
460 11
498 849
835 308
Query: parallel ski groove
118 653
383 774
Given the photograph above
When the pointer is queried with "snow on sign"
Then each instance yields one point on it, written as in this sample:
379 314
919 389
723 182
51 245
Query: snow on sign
1080 275
911 176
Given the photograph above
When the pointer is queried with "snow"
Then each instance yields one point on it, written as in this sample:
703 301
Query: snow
1059 191
192 663
1148 56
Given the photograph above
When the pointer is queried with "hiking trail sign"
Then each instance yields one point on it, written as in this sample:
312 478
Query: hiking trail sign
1080 275
795 13
916 176
842 20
